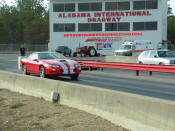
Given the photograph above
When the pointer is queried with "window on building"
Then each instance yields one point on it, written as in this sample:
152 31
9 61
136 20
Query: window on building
96 7
58 7
58 27
139 5
83 27
89 27
150 25
123 5
145 4
96 26
69 7
111 6
138 26
124 26
63 7
111 27
90 7
151 4
69 27
64 27
83 7
117 5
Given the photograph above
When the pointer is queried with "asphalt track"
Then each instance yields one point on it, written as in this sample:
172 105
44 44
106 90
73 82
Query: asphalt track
160 85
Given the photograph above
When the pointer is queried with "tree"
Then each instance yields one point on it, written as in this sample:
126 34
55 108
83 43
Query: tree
27 22
171 29
169 11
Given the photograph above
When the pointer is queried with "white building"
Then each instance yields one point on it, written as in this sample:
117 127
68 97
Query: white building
105 24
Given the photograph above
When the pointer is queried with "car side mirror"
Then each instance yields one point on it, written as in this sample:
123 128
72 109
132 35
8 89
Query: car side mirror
36 60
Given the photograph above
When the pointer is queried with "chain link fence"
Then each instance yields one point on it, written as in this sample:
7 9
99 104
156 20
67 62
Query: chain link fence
16 48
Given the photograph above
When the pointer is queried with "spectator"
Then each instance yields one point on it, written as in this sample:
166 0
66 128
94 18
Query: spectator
22 50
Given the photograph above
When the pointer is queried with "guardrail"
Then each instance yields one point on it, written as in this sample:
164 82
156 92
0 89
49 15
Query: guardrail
135 112
129 66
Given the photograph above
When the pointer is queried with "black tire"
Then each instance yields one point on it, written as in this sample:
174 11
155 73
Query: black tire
161 63
24 69
75 54
42 72
70 54
74 77
92 52
140 62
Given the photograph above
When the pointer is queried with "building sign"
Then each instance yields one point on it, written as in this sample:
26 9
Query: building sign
104 39
103 43
104 16
103 46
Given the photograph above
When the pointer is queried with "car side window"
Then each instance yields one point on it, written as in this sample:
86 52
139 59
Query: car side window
145 55
152 54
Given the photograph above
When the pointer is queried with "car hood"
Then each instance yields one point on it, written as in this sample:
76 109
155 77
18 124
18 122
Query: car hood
58 61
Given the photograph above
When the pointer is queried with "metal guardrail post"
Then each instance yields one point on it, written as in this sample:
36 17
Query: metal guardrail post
90 68
137 73
150 73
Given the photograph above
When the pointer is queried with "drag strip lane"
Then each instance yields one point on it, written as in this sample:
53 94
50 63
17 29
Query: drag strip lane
160 85
152 89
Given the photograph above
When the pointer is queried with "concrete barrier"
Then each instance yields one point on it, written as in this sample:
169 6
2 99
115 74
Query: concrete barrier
134 112
125 59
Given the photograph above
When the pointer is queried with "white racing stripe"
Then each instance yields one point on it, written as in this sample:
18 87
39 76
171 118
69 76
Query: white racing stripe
71 66
65 69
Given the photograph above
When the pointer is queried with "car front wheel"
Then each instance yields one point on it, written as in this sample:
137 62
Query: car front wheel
42 72
74 76
25 70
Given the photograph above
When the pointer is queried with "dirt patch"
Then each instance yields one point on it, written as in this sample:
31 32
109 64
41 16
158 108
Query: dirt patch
23 113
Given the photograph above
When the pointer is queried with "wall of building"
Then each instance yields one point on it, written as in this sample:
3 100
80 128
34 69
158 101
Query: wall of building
58 38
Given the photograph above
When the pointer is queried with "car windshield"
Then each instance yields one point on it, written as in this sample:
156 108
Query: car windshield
125 47
165 54
61 47
50 55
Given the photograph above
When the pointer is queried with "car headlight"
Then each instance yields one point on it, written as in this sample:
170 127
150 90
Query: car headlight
54 66
78 65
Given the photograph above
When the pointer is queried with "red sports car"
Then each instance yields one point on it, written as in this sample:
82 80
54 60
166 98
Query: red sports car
50 64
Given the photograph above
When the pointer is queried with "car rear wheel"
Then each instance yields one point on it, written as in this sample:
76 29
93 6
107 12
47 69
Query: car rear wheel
74 77
42 72
25 70
140 62
75 54
160 63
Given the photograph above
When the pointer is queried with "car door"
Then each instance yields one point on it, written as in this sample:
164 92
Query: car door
144 58
33 64
152 58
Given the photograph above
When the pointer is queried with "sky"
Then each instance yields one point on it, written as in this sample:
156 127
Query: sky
11 2
172 4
